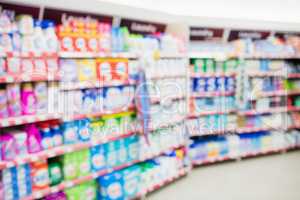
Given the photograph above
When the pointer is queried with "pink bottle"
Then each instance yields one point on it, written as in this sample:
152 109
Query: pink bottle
28 99
8 147
3 103
33 138
13 99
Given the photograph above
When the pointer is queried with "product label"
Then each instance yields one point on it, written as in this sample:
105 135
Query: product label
98 160
114 190
67 44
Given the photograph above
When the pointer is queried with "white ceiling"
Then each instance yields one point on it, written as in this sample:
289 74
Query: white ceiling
250 14
267 10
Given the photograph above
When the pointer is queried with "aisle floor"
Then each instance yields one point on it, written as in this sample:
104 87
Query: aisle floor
275 177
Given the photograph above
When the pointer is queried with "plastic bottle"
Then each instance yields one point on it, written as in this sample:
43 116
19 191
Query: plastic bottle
56 133
50 36
28 99
13 98
34 140
3 102
46 135
39 38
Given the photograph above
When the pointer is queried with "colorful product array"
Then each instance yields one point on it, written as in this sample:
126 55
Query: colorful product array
161 68
138 179
211 148
91 70
275 120
161 140
213 84
26 35
89 101
211 124
212 104
267 84
21 181
29 66
263 65
262 104
30 139
168 113
209 66
28 99
166 89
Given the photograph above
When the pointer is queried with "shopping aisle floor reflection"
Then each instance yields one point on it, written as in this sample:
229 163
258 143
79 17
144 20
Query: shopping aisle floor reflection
275 177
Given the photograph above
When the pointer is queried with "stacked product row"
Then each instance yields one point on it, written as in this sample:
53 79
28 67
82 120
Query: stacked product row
210 149
21 181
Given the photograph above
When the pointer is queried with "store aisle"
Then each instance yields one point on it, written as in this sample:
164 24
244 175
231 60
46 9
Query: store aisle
275 177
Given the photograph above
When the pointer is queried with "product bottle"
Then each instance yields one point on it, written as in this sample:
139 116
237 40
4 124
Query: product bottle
34 139
56 133
39 38
3 103
50 37
28 99
46 135
13 99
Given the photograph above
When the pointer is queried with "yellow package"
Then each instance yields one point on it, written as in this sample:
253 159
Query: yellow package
86 70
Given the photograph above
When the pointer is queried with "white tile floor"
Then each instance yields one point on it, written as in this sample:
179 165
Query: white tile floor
275 177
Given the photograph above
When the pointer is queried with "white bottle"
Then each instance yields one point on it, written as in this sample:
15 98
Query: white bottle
51 38
39 38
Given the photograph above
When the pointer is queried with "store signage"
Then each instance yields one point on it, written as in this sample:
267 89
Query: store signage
21 9
285 35
59 15
203 33
248 34
142 27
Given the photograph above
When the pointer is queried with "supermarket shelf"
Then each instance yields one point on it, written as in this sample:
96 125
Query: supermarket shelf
177 120
91 84
159 100
272 93
96 55
212 94
211 161
183 172
248 155
259 112
214 132
294 92
26 119
57 151
216 74
168 76
294 75
28 78
264 74
68 184
255 129
213 55
28 54
270 56
172 55
214 112
71 117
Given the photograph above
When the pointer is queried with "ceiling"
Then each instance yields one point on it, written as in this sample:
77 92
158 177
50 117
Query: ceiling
251 14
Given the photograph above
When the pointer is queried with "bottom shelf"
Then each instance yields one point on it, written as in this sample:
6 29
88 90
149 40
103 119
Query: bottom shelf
68 184
248 155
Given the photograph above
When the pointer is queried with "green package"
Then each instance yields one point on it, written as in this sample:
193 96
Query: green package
55 173
74 193
83 160
88 191
70 166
